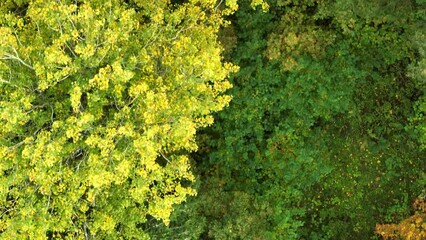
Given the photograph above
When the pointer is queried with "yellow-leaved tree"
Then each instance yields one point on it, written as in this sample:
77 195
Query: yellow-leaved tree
99 104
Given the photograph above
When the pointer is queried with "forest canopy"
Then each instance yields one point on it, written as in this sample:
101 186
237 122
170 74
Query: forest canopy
99 105
205 119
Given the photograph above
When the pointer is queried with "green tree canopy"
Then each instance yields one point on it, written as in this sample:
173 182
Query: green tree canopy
321 138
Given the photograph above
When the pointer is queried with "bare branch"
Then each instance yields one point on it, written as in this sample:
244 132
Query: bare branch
16 57
164 157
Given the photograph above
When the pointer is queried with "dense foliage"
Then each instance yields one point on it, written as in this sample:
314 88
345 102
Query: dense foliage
99 106
414 227
106 111
324 137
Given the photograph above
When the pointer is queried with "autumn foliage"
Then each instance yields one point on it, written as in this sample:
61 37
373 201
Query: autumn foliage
100 102
212 119
413 227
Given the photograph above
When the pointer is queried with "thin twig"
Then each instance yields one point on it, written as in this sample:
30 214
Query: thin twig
164 157
9 56
217 6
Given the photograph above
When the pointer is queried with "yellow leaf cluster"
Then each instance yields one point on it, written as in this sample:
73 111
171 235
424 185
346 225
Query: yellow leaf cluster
100 106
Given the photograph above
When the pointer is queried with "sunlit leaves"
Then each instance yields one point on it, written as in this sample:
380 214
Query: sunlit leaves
100 103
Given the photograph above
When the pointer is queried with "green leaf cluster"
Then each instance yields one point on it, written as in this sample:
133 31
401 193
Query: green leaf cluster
323 138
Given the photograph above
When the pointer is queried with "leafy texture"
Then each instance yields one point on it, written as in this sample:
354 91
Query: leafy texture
414 227
323 137
100 102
